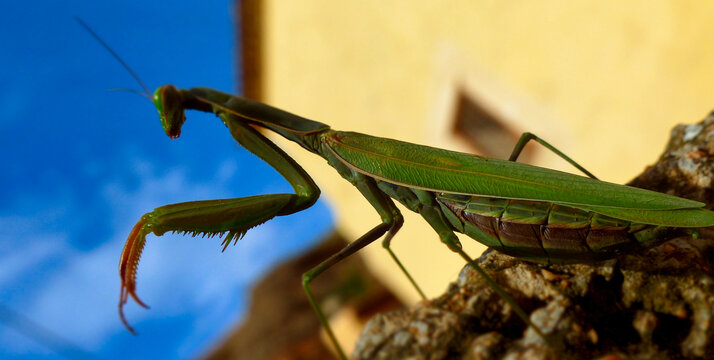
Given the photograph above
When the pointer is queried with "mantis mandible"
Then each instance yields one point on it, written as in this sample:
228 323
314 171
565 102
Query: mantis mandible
528 212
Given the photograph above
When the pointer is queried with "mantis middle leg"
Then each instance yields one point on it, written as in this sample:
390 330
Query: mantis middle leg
392 221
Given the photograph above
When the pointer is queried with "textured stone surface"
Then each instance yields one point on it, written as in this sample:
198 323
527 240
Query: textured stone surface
657 304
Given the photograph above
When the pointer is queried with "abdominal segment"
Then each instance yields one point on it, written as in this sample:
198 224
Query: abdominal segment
546 232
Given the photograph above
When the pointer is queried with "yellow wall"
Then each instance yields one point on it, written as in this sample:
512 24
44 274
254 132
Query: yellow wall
604 81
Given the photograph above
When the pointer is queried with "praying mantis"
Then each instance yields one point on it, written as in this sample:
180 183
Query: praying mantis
532 213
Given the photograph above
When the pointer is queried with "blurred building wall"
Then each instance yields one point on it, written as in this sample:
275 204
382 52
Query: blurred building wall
603 81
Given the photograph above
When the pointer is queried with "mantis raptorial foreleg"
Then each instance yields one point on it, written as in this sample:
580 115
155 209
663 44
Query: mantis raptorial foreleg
527 136
209 217
306 190
229 217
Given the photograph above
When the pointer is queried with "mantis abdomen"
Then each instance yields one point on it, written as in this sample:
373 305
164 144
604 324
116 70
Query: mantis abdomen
546 232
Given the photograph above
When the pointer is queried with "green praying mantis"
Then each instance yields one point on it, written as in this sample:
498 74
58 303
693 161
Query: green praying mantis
532 213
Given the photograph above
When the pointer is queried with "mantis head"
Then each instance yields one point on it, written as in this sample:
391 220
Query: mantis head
169 102
167 99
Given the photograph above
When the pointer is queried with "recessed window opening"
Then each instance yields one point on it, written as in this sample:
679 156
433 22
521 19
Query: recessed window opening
484 131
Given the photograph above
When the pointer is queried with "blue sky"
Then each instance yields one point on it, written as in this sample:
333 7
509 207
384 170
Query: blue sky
82 164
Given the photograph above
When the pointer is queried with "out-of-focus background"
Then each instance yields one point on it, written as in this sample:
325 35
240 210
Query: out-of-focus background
604 82
81 164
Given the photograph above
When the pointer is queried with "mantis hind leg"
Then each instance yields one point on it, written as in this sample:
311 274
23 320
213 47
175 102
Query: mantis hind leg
527 136
432 213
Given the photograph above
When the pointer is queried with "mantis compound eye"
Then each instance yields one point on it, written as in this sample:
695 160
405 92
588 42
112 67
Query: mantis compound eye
169 102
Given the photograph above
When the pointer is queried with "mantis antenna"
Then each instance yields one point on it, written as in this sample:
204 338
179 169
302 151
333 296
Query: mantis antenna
136 77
